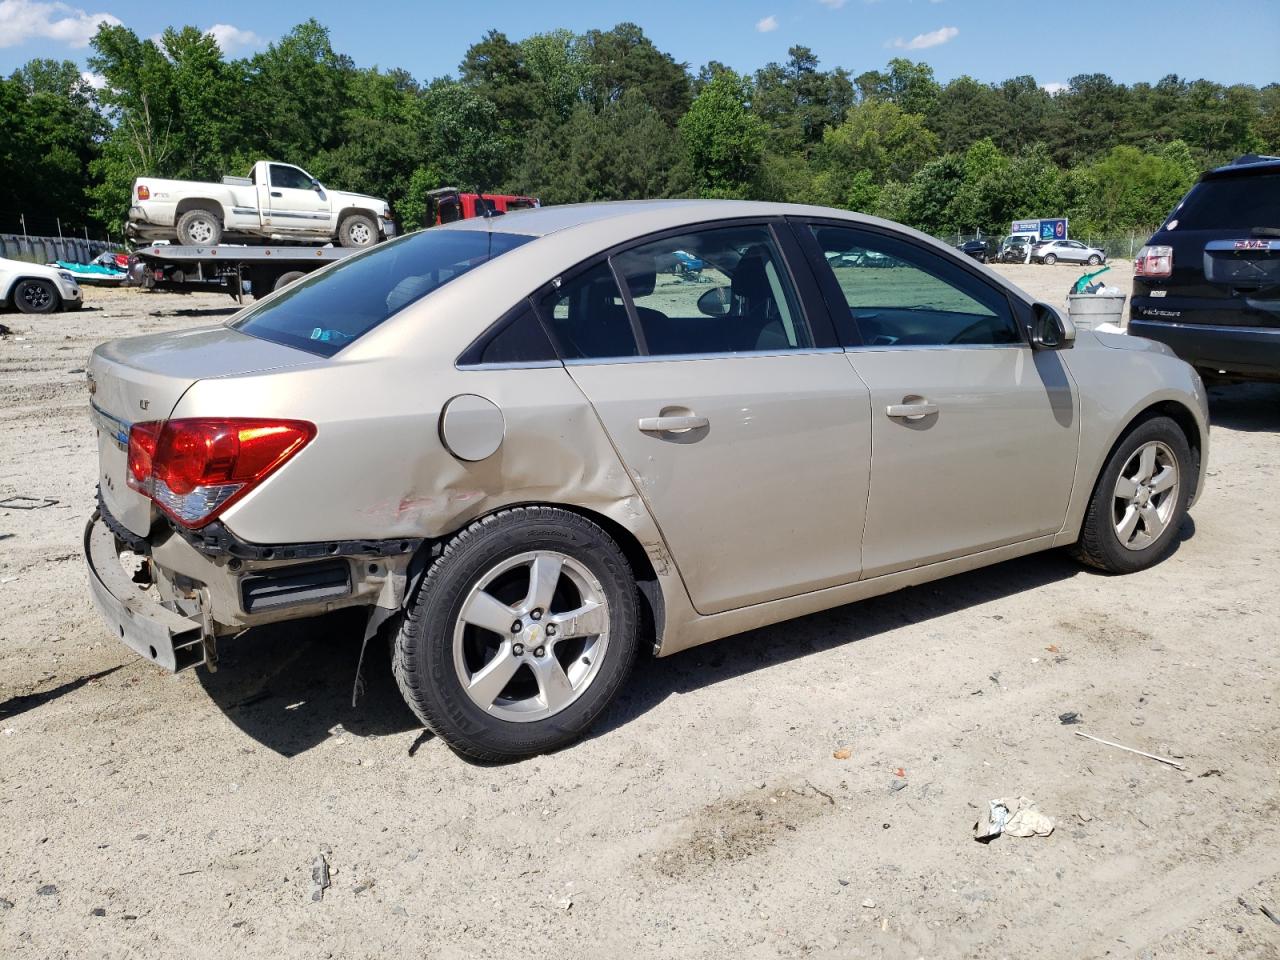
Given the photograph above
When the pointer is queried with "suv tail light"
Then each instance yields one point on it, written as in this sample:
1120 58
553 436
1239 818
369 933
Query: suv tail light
1154 262
144 192
195 468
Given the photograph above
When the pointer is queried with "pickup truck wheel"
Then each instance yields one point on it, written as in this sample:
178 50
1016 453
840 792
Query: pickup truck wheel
522 632
358 231
36 296
199 228
1140 499
287 278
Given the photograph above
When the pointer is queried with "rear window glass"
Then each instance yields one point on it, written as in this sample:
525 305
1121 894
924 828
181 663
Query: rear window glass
1233 203
325 312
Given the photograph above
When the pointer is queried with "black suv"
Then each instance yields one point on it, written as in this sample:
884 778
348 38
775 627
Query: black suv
1208 282
974 248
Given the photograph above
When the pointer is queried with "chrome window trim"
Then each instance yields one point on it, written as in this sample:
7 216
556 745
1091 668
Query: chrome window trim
937 346
684 357
513 365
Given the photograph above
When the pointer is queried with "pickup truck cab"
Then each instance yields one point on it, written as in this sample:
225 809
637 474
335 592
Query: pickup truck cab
276 202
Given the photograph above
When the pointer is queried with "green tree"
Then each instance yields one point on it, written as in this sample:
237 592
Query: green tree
723 139
878 139
624 60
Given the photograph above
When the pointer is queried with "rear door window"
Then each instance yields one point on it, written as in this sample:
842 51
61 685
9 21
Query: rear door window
713 291
329 310
588 318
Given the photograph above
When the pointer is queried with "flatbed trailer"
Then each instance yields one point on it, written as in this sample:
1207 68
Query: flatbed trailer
228 267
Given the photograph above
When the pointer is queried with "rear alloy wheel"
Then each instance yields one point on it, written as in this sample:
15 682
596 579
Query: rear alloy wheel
358 231
199 228
523 631
1050 259
1094 259
1140 499
36 296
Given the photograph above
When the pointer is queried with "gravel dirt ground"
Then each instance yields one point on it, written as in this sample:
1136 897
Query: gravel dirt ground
710 814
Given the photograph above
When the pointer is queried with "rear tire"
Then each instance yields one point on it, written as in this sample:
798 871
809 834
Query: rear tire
36 296
358 231
523 631
287 278
1139 500
199 228
1049 260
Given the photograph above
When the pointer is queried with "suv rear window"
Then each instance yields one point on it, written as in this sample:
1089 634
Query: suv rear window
330 310
1230 203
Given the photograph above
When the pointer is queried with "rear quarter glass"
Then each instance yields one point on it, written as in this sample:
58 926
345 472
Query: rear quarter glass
333 308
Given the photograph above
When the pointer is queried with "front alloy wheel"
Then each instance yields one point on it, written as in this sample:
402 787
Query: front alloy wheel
1146 494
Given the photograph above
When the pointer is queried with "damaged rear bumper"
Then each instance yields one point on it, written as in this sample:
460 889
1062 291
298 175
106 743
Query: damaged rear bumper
145 626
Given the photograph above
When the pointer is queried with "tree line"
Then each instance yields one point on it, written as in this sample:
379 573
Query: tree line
606 115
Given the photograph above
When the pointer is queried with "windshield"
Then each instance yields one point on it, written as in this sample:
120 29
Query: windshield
329 310
1230 203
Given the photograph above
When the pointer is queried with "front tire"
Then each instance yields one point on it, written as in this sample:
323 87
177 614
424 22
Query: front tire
1140 499
1094 260
1049 260
36 296
523 631
199 228
358 231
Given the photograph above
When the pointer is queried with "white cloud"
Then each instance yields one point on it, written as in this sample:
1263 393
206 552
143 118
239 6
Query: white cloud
232 39
1052 88
23 20
95 80
924 41
767 25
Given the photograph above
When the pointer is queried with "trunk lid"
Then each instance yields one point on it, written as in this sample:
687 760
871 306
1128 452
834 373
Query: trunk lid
142 378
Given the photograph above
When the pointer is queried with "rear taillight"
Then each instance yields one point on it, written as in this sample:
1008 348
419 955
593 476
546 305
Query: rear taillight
195 468
1154 262
144 192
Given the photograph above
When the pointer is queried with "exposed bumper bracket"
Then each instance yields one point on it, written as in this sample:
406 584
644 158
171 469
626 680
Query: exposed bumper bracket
149 629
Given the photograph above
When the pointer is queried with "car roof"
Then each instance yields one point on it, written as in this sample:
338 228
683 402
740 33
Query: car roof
636 216
1251 164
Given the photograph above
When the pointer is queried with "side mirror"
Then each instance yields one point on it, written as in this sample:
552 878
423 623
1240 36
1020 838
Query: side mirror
1050 330
715 302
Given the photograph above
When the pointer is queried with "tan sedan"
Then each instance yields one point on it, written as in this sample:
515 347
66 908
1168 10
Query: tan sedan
531 444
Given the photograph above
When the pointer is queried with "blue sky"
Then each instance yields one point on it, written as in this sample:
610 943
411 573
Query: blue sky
987 39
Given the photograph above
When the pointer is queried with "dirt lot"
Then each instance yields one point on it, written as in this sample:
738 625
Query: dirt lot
148 815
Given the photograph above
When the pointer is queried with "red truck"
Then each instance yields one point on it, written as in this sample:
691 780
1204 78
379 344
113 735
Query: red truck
447 205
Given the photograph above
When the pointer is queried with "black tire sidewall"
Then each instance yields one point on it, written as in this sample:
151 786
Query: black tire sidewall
181 227
1049 260
54 297
1094 261
285 279
434 690
1116 557
344 231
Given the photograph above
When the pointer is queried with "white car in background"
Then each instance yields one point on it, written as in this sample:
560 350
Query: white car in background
32 288
1050 252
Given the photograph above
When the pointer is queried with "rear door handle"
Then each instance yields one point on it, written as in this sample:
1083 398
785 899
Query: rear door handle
672 424
911 411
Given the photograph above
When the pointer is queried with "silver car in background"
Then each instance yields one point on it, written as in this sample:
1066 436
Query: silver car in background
531 445
1050 252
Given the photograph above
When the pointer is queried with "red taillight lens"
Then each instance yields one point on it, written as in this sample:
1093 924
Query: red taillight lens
144 192
1154 262
195 468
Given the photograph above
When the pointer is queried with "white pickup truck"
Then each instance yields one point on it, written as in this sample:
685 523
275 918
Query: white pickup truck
276 202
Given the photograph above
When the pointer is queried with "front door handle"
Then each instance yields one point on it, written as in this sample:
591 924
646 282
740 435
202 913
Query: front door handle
672 424
911 411
276 193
